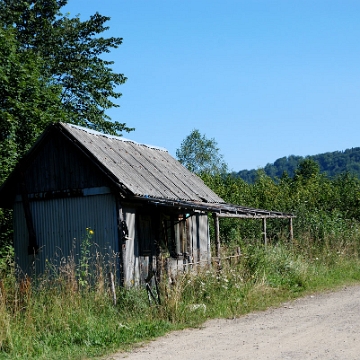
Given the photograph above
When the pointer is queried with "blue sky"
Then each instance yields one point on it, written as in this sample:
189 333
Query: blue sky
264 78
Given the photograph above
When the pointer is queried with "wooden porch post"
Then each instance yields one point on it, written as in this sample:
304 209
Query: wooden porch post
264 231
217 235
291 229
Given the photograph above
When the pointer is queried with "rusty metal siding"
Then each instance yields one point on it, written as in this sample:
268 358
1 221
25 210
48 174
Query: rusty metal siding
144 170
60 226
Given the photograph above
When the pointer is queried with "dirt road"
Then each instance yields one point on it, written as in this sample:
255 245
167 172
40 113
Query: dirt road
324 326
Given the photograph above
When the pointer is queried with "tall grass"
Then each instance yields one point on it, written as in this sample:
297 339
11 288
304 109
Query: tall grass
64 316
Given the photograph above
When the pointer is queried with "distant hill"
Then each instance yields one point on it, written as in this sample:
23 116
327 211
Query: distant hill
331 164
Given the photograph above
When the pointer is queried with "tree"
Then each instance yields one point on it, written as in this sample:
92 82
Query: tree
70 50
201 155
28 101
307 169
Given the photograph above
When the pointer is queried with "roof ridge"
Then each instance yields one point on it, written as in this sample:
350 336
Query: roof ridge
120 138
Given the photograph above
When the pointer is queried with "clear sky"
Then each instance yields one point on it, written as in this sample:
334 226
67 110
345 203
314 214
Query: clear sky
264 78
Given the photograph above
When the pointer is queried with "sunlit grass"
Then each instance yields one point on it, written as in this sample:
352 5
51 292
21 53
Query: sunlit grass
53 317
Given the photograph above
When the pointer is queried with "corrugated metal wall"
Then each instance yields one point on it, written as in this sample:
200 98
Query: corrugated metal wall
60 226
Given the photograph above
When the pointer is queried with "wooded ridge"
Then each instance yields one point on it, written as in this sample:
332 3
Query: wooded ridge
330 163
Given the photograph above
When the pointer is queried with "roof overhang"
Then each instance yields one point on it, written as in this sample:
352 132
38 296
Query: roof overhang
222 210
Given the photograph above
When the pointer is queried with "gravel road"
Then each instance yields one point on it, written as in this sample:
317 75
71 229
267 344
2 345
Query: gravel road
321 326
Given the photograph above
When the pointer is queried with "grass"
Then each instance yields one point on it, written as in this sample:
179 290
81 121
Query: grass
55 317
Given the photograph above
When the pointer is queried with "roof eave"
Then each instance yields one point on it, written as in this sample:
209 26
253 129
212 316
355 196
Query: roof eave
219 209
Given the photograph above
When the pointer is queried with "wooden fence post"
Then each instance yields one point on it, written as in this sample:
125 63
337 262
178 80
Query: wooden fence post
217 236
112 287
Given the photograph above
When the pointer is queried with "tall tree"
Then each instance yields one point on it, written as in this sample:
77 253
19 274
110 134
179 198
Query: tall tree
307 169
201 155
28 101
70 50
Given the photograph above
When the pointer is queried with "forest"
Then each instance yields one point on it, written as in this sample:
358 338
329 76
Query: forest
330 163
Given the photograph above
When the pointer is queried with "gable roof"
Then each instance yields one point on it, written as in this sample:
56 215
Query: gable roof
143 170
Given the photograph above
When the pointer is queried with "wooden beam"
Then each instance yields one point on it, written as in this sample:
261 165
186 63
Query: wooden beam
291 230
217 234
264 230
251 216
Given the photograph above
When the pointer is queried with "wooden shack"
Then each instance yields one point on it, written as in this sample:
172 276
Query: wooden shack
144 208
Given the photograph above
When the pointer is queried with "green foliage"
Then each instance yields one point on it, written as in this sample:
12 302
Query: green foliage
28 103
201 155
70 50
323 206
307 169
276 266
7 256
331 164
6 229
85 259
